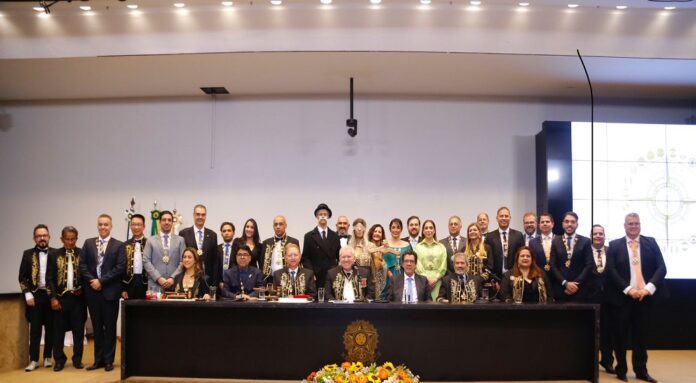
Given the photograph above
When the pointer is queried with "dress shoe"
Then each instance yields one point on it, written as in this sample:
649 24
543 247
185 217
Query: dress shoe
608 368
108 367
47 362
646 378
78 365
622 377
94 366
33 365
58 367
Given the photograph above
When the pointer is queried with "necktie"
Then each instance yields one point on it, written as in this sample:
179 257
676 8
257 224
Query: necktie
166 241
200 239
462 280
226 263
323 234
100 258
505 244
292 276
409 294
599 258
529 238
635 264
569 240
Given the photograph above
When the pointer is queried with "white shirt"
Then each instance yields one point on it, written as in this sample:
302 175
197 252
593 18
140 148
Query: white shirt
71 270
633 283
410 296
503 241
603 255
348 293
277 256
325 231
344 241
295 270
138 259
43 261
413 241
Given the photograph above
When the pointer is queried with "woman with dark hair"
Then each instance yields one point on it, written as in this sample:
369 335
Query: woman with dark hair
432 258
375 237
251 238
526 280
192 278
394 250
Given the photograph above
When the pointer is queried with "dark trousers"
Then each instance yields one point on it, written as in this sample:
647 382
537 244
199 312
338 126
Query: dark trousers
605 336
137 288
104 314
71 317
40 316
630 318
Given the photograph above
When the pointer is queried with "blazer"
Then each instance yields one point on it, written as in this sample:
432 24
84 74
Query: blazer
446 286
282 280
128 250
598 281
199 289
233 285
396 288
220 268
363 274
112 268
515 241
57 273
506 289
28 274
153 259
652 265
267 255
580 265
537 248
320 255
209 257
460 248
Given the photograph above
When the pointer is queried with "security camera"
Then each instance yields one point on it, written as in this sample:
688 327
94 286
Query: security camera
352 124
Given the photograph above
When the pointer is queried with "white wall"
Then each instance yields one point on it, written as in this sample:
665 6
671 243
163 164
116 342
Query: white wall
65 163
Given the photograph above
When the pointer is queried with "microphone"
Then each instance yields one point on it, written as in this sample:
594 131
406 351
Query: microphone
492 275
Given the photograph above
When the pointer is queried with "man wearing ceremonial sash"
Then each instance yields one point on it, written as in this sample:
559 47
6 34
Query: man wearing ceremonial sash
134 283
460 286
598 283
454 243
348 282
571 262
162 259
204 240
293 279
541 244
67 300
274 248
32 282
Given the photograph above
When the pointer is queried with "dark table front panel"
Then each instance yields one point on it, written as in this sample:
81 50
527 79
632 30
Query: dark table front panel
288 341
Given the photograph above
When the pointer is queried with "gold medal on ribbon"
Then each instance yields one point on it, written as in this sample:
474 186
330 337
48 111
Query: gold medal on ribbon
600 269
165 259
567 263
547 267
199 252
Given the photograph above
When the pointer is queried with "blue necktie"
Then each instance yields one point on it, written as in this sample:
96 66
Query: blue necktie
409 297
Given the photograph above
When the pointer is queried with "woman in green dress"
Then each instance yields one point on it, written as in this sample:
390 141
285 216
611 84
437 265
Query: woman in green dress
432 258
394 249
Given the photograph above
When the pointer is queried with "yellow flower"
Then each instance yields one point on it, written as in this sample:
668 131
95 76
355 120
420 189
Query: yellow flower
388 366
330 367
373 378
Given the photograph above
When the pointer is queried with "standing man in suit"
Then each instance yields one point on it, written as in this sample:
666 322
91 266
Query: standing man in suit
541 244
504 243
163 252
32 281
455 243
460 286
293 279
226 259
571 262
321 245
67 300
348 282
342 227
409 287
529 223
413 226
205 241
102 268
598 283
482 220
134 282
637 277
273 249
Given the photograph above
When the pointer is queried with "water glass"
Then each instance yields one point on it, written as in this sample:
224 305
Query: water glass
213 291
320 295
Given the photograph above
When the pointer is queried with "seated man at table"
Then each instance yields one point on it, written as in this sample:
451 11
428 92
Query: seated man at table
293 279
348 282
240 281
460 286
417 288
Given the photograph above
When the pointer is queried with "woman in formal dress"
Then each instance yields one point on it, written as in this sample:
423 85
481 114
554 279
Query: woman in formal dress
250 237
359 243
375 247
192 279
432 257
477 253
526 280
394 250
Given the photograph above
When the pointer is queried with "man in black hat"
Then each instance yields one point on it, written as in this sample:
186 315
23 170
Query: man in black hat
321 245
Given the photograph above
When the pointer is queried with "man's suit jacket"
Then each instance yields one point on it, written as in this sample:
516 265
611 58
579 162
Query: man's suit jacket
282 277
515 241
396 288
233 285
598 282
363 273
580 266
652 265
320 255
29 276
408 239
154 264
57 273
209 257
267 255
460 248
112 268
537 248
446 286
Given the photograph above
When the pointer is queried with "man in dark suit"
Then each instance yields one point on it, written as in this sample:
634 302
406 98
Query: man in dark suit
529 224
321 245
504 243
226 259
460 286
637 275
101 269
342 227
416 287
205 240
541 244
67 300
32 282
454 243
293 279
241 280
413 228
348 282
273 249
571 262
134 281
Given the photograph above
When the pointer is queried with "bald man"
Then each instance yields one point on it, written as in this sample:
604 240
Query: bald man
273 249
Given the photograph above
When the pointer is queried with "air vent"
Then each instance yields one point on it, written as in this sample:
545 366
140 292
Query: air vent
210 90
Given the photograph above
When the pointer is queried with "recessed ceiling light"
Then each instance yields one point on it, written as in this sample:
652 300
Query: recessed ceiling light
38 9
524 4
670 7
425 2
621 7
572 5
276 2
85 7
227 3
326 2
375 1
132 6
179 5
475 2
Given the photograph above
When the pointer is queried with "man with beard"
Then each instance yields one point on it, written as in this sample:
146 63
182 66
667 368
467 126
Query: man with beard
413 226
342 226
571 261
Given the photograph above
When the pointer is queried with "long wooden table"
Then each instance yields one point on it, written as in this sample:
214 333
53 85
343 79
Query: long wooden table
439 342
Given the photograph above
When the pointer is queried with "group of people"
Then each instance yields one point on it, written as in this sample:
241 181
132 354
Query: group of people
529 266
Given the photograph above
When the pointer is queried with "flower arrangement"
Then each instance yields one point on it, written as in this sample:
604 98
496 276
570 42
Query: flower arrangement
356 372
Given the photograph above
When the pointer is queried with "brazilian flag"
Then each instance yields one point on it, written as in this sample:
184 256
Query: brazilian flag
155 216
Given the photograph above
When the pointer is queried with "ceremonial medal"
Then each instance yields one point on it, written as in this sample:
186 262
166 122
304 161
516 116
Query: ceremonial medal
567 264
199 252
547 267
165 259
600 269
